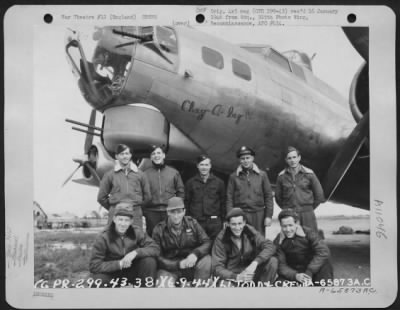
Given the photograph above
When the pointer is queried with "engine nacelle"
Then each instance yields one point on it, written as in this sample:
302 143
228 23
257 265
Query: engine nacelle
359 93
139 126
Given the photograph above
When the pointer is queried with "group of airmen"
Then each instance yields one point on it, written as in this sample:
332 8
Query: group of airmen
162 233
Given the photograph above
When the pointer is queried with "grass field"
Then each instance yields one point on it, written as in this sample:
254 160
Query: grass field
62 255
65 254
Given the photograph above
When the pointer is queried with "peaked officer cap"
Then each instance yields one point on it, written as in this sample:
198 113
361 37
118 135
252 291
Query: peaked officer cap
244 150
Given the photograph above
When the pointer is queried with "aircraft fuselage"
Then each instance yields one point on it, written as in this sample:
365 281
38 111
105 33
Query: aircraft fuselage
218 96
221 111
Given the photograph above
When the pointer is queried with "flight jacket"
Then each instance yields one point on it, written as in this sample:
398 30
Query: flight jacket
165 183
301 191
228 261
193 239
251 192
304 253
205 199
109 248
117 186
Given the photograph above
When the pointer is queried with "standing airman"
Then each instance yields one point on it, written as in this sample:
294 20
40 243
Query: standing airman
298 188
165 183
205 198
125 183
249 189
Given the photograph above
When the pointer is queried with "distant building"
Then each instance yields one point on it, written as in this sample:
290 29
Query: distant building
66 219
93 219
92 215
39 216
62 220
68 215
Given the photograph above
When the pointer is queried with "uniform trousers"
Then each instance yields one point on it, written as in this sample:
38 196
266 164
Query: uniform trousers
307 217
200 272
324 273
256 219
265 272
153 217
212 226
142 273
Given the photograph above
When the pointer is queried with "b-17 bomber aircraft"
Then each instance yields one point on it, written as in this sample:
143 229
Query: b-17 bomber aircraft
195 93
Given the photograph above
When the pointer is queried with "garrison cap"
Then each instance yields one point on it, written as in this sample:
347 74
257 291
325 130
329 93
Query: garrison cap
288 213
121 148
175 203
124 208
234 213
244 150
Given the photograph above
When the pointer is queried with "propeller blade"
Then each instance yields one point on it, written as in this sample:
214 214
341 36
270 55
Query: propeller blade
359 38
86 182
70 177
89 137
92 171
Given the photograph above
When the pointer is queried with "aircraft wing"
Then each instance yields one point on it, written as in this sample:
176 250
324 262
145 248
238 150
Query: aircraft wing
90 182
348 178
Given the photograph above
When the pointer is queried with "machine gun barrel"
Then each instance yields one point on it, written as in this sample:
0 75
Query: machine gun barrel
144 38
86 131
83 124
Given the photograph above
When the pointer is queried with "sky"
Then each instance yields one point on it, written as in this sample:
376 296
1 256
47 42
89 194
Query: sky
57 97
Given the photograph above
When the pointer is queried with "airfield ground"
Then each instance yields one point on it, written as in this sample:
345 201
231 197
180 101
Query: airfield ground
65 254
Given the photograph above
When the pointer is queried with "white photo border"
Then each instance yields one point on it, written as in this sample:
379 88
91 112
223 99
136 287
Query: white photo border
19 22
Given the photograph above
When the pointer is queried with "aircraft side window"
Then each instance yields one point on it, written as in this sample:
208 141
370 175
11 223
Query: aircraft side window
212 57
241 69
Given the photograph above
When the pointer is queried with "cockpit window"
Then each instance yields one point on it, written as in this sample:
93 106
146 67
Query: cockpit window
297 70
279 59
112 58
212 57
241 69
166 38
113 66
103 60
